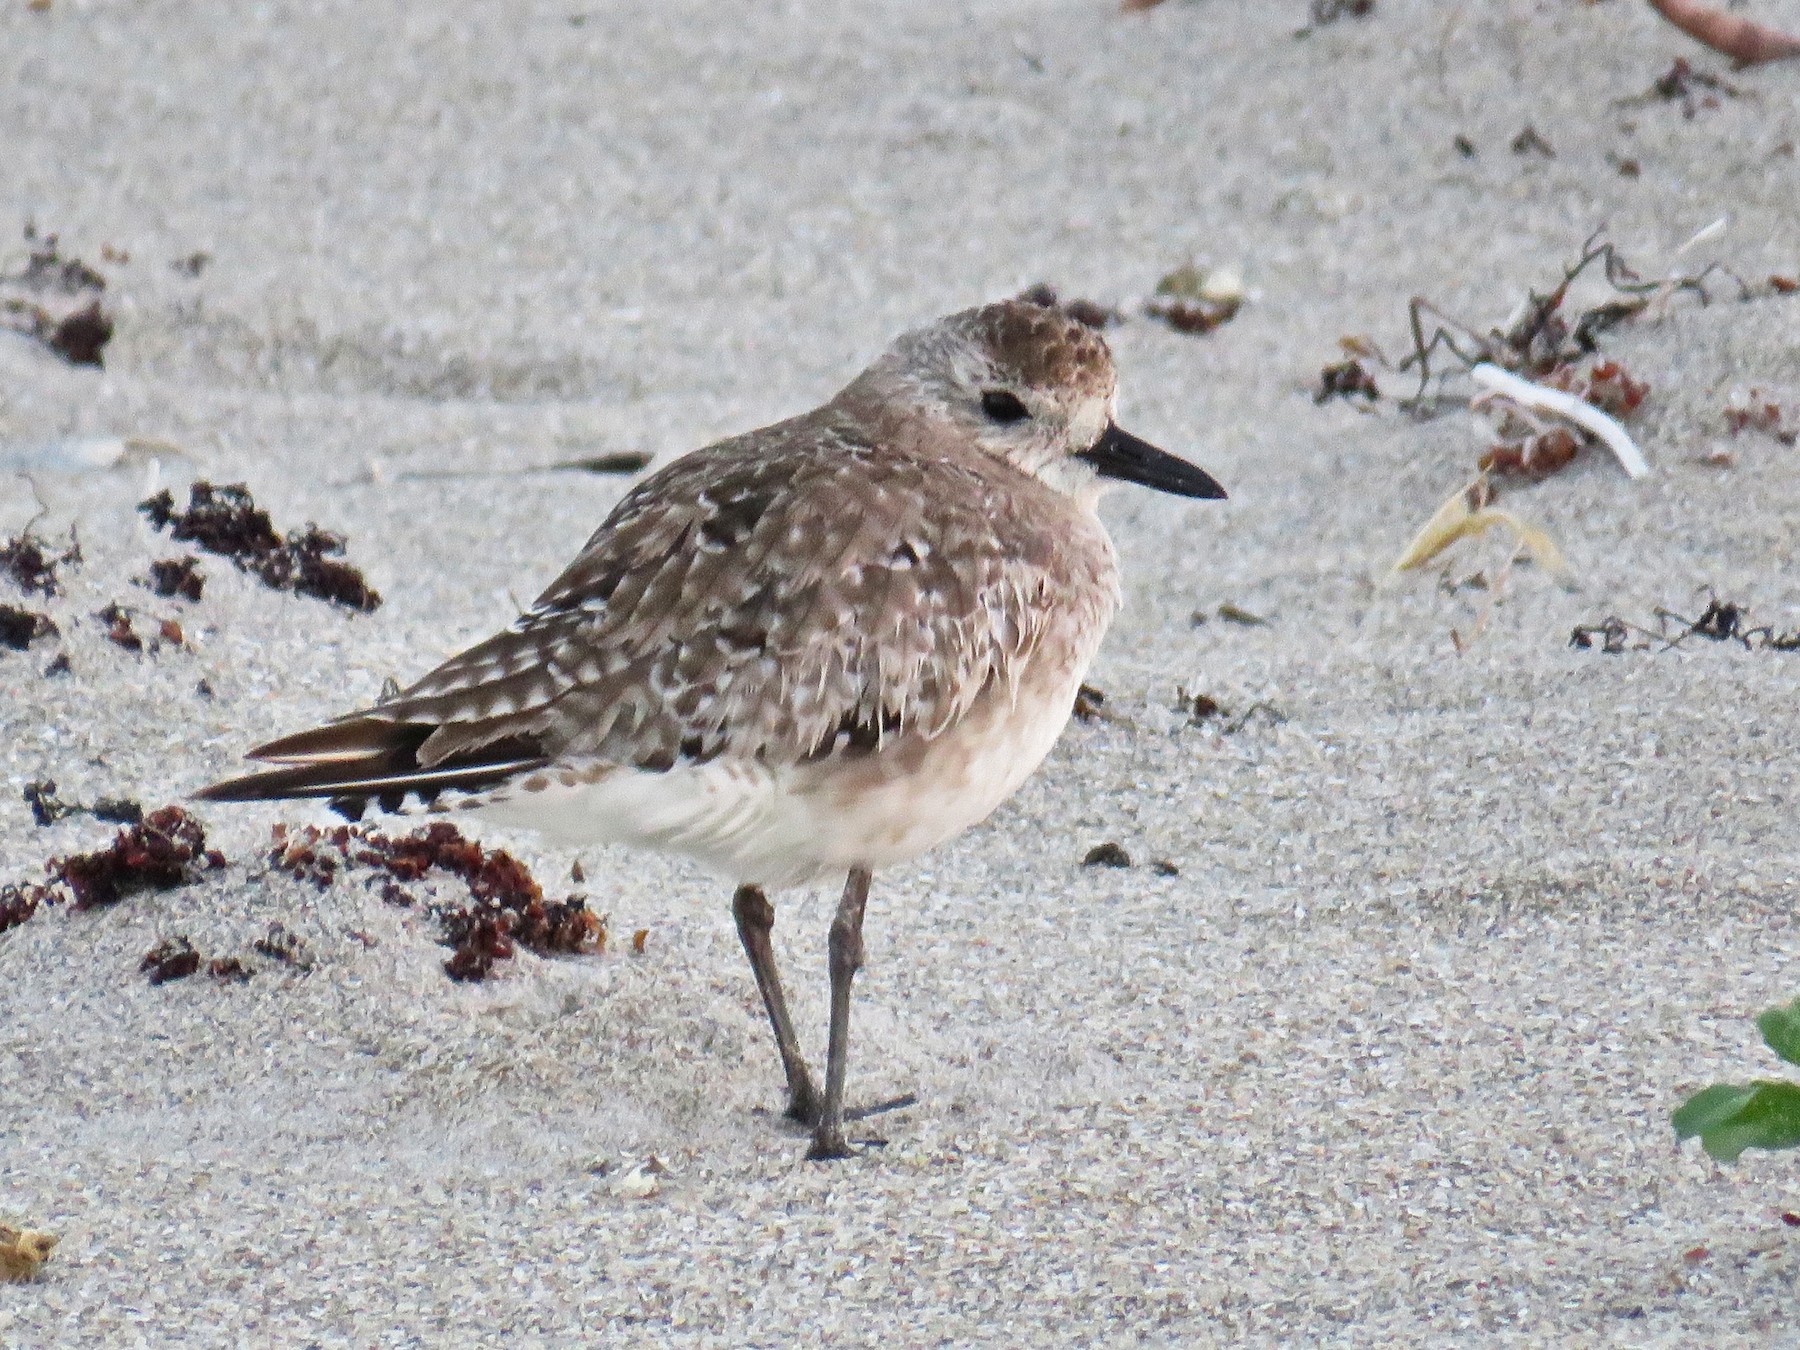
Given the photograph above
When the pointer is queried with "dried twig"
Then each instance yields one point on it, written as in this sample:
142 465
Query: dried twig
1720 621
1539 339
1747 43
1727 621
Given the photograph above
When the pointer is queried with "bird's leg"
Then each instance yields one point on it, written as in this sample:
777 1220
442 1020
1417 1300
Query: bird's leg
755 918
846 959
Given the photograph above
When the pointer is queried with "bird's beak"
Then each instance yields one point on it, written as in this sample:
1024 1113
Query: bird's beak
1119 454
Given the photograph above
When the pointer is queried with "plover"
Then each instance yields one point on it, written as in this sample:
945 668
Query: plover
807 652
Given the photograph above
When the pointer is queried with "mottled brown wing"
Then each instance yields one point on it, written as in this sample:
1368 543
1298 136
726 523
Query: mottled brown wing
774 597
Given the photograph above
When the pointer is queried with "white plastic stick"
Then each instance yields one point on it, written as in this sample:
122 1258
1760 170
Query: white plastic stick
1705 235
1577 410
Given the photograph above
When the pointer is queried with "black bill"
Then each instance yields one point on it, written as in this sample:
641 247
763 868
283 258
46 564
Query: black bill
1119 454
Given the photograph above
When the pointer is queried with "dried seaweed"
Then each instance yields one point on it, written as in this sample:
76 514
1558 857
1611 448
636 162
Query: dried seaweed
1611 635
19 628
1530 141
1201 709
46 270
1230 613
228 969
1348 379
1090 703
171 959
1194 316
56 301
173 577
227 521
1720 621
506 905
32 567
1758 412
1681 83
1554 392
278 944
1330 11
119 631
19 903
117 811
1540 340
47 808
80 337
306 854
165 850
176 958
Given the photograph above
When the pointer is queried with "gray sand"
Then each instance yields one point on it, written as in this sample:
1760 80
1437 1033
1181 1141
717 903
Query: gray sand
1390 1060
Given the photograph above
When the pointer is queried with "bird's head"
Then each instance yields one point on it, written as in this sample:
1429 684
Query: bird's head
1034 387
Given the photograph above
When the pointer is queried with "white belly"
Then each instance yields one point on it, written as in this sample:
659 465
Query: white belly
787 825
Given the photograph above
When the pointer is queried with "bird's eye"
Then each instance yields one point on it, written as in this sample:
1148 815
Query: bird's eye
1002 407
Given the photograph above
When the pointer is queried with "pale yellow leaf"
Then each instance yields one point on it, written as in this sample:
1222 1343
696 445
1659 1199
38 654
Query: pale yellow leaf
1455 520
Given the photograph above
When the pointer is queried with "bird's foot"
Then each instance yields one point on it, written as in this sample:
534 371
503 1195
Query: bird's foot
832 1146
829 1146
829 1143
806 1108
804 1105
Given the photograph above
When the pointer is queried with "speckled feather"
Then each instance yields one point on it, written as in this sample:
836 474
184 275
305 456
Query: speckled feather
811 589
779 596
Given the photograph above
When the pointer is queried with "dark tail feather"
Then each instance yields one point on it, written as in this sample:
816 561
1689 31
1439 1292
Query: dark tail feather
356 739
350 762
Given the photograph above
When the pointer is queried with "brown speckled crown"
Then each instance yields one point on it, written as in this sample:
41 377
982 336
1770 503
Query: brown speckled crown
1042 345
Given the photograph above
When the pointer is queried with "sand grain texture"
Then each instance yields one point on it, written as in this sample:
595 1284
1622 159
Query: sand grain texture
1389 1061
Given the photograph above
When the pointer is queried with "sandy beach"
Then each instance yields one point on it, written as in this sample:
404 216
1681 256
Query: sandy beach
1427 929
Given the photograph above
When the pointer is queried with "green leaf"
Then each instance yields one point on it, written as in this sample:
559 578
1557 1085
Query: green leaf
1730 1118
1781 1029
1710 1107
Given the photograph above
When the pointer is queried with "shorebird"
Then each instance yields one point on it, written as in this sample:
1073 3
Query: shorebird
806 652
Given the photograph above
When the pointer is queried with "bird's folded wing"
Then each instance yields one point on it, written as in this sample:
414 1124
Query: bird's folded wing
776 603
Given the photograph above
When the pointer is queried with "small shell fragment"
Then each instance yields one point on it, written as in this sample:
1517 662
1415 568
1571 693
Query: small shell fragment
643 1179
